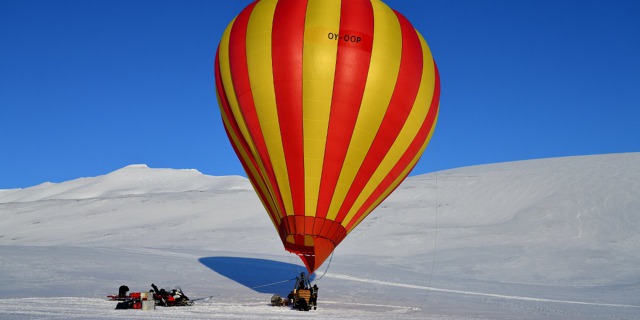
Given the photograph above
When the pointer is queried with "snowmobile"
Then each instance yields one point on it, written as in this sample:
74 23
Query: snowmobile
172 298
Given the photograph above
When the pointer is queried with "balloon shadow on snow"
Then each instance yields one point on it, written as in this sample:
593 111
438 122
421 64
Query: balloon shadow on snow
261 275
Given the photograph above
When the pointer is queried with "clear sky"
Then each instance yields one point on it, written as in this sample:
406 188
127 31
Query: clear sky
87 87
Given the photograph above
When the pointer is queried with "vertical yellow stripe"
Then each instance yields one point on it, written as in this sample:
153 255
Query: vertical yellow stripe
383 72
407 133
262 88
400 178
227 81
319 61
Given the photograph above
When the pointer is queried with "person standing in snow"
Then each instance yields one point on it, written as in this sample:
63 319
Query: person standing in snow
314 297
122 291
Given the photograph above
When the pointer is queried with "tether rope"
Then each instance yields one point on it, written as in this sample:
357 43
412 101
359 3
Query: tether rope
270 284
327 269
435 241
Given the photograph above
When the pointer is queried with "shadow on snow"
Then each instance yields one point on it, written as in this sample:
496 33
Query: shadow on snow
261 275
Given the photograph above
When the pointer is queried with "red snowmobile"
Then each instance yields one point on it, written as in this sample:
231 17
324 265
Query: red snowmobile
170 298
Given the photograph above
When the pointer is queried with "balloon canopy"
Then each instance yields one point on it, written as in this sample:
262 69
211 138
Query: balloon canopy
328 104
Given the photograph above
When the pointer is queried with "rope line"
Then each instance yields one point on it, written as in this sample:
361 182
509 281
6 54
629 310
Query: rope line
435 239
270 284
327 269
435 242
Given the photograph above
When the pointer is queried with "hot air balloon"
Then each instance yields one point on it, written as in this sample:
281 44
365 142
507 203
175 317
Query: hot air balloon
328 104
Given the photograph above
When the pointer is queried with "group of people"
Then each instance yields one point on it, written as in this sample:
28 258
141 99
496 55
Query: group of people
298 298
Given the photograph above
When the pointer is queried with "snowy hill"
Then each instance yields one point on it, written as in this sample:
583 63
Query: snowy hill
135 179
539 239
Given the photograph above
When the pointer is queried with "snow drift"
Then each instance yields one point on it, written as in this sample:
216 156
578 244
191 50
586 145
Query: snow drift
539 239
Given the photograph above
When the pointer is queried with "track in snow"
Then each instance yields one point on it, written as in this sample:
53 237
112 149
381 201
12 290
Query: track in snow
492 295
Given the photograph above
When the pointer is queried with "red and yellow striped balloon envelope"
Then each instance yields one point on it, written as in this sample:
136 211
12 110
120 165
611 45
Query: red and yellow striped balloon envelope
328 104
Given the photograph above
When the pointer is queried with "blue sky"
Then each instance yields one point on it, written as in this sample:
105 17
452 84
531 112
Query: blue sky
87 87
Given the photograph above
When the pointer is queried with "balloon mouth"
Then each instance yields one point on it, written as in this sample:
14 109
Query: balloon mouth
313 256
312 244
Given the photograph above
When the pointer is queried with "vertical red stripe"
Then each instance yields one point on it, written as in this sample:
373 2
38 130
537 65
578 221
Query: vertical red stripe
287 41
352 67
402 100
406 158
242 86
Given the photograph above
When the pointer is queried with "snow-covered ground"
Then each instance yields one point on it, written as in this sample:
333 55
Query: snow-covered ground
541 239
